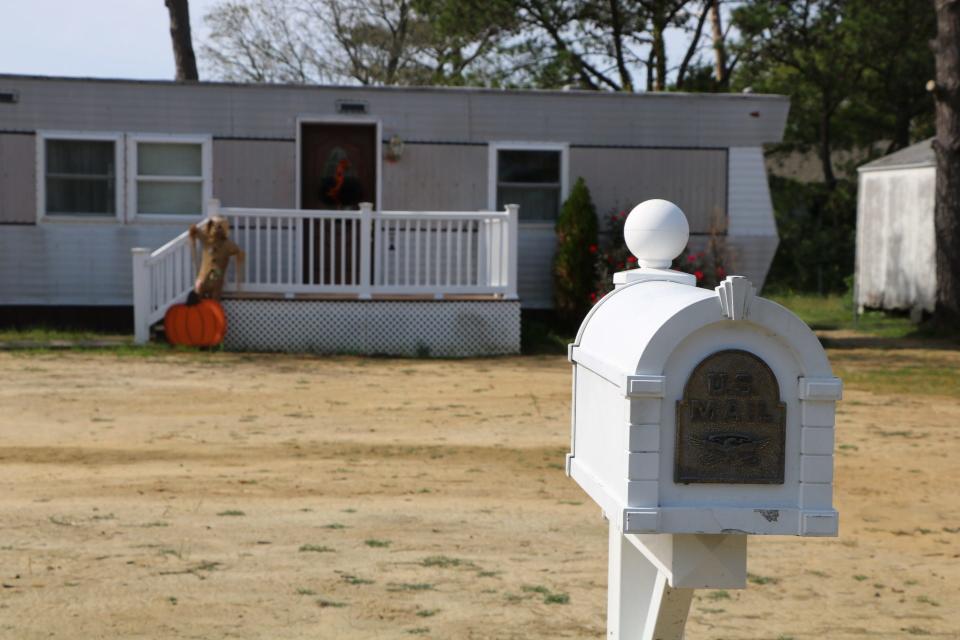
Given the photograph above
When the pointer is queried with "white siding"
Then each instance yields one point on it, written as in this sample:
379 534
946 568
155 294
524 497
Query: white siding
434 177
255 173
535 248
73 263
693 179
752 229
896 241
421 114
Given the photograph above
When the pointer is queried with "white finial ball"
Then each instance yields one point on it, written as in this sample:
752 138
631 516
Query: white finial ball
656 232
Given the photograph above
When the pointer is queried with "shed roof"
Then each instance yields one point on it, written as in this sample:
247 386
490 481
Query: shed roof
916 155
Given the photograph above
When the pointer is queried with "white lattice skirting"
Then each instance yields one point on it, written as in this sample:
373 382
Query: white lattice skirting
440 328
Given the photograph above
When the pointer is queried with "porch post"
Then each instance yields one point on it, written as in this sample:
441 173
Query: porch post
513 228
366 245
141 295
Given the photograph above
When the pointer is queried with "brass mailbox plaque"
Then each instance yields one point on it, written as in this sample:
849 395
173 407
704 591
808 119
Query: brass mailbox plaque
731 424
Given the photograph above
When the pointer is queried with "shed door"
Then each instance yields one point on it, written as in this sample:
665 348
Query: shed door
338 171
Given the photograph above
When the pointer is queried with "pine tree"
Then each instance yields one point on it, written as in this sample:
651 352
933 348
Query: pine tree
574 263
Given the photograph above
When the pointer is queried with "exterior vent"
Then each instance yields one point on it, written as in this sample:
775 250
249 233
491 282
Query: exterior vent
355 107
9 97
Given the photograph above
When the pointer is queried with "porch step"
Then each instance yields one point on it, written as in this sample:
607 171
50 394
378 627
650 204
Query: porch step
398 327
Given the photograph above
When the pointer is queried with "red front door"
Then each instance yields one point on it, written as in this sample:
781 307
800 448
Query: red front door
338 170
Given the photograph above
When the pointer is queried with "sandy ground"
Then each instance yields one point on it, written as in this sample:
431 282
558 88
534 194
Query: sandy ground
226 496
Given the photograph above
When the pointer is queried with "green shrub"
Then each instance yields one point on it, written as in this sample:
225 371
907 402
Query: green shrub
573 265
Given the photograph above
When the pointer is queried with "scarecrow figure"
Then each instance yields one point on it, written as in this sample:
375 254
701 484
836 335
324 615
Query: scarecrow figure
216 247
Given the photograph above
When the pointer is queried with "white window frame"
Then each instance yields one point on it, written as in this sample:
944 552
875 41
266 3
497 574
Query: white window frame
341 119
206 177
41 170
521 145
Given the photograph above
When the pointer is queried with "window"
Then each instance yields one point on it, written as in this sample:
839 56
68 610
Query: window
80 175
169 176
534 178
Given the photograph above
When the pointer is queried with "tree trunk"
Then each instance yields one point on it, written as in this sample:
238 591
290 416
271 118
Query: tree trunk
692 48
826 147
626 80
182 42
660 51
719 48
947 147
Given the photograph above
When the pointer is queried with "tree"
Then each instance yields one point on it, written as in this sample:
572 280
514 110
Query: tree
802 48
398 42
183 56
574 262
946 90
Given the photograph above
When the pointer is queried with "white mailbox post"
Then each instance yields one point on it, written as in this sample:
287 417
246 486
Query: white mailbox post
699 417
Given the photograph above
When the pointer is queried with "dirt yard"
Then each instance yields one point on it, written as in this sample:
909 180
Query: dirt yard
210 495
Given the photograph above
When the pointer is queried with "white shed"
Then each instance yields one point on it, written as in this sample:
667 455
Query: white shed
896 243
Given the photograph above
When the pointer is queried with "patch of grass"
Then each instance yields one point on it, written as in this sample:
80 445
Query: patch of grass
549 597
836 312
231 512
722 594
428 613
373 542
306 592
709 610
196 570
316 548
334 525
755 579
920 378
487 574
916 631
418 631
446 562
409 586
859 577
349 578
172 600
928 600
323 603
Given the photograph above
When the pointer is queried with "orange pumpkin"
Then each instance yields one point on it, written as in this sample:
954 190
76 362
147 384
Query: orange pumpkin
202 324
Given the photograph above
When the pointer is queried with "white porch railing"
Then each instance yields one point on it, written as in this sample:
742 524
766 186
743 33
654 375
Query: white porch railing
352 253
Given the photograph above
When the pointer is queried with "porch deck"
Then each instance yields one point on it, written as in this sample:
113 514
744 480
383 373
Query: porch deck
391 282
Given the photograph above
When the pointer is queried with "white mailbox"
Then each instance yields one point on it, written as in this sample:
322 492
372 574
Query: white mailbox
698 417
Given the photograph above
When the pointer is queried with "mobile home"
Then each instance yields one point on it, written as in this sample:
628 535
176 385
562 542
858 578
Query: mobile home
90 169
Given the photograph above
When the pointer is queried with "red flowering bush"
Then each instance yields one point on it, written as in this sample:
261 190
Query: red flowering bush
708 265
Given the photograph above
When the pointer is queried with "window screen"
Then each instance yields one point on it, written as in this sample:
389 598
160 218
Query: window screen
81 177
169 178
530 179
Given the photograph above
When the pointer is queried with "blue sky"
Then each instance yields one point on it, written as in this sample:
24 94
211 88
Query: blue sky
99 38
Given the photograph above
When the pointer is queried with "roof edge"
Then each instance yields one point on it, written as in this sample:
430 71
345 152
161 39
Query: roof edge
411 89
